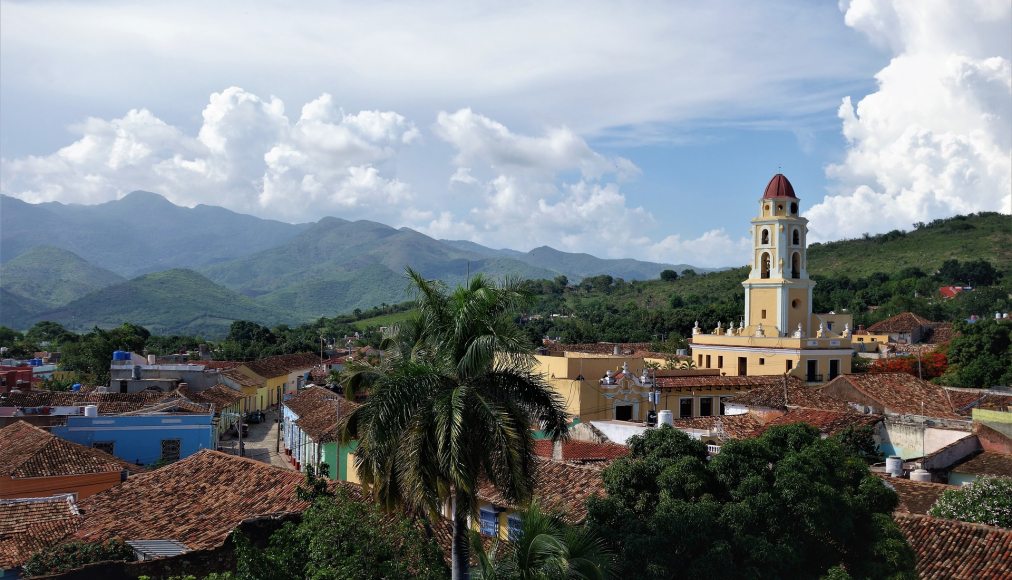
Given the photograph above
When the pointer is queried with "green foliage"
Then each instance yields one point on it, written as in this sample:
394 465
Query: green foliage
787 504
315 485
669 275
342 538
73 555
860 441
546 547
979 355
54 276
456 407
90 355
985 500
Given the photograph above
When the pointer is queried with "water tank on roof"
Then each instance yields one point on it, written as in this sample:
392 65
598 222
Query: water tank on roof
894 465
665 417
75 387
920 475
152 359
91 410
120 355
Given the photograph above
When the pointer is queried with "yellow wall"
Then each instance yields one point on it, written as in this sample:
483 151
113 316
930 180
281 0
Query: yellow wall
760 362
763 299
797 314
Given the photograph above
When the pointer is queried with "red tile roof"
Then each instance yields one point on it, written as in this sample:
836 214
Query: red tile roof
986 463
903 322
957 550
940 333
771 395
779 187
320 422
574 451
276 366
719 382
827 422
733 426
29 525
197 501
240 378
916 497
559 487
307 399
964 401
108 403
27 451
221 396
901 393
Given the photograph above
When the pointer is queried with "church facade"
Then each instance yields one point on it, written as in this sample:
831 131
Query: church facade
778 333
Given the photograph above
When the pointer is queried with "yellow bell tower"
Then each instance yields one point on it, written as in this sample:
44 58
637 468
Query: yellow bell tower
778 292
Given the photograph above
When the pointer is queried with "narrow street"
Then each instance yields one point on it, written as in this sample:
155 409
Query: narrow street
260 443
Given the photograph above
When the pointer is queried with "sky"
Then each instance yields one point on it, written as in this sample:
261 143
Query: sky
635 129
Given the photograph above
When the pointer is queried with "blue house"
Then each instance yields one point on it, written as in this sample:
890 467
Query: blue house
142 438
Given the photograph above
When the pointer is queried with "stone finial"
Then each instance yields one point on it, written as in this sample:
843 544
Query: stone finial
822 330
730 329
759 330
696 329
799 333
846 330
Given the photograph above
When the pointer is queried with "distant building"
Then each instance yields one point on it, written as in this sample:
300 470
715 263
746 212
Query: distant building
778 332
310 420
28 525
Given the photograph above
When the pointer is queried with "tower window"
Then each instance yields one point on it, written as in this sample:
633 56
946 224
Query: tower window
797 237
795 303
762 361
765 266
794 208
763 315
796 265
766 237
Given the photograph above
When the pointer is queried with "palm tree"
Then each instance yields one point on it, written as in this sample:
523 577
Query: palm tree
545 548
456 408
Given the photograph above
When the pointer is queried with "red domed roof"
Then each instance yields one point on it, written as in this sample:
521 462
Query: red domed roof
779 187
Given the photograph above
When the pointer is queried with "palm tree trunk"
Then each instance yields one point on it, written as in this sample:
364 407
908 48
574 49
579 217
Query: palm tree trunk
460 553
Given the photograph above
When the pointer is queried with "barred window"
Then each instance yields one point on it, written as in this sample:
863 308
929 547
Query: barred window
170 450
489 523
106 446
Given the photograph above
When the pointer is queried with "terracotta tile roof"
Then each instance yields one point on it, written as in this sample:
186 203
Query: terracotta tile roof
827 422
957 550
221 396
308 399
27 451
581 451
197 501
964 401
240 378
719 382
940 333
779 187
733 426
275 366
108 403
903 322
771 396
220 364
559 487
986 463
901 393
916 497
320 422
29 525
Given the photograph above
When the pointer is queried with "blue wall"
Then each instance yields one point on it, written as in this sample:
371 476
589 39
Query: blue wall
138 438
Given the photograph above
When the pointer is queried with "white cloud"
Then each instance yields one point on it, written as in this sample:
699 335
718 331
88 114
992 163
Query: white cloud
554 189
934 139
247 156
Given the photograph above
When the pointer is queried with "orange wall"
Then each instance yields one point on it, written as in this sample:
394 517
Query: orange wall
82 485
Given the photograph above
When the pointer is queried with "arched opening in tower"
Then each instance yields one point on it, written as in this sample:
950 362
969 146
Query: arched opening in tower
765 265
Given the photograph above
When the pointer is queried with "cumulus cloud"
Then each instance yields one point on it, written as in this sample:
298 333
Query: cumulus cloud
934 139
247 155
554 189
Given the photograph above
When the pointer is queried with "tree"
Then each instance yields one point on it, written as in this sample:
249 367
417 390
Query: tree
546 547
342 537
72 555
979 355
458 410
985 500
787 504
669 275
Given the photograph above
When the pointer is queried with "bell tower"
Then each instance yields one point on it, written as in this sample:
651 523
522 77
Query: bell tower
778 292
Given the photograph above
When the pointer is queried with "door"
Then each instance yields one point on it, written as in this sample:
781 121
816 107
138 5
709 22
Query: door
623 413
813 372
834 369
742 366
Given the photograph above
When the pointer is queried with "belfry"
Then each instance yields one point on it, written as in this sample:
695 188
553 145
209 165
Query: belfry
778 333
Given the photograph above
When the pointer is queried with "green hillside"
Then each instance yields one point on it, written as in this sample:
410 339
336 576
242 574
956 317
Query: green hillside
18 311
964 238
53 276
170 302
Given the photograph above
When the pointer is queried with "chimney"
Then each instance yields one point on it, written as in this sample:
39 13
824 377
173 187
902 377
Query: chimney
557 451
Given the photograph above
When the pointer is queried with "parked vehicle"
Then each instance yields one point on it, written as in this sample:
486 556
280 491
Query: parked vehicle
255 417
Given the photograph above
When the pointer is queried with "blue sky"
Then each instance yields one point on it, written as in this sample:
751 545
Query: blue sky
643 129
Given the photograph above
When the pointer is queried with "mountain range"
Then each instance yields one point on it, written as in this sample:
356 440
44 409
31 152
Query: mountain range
175 269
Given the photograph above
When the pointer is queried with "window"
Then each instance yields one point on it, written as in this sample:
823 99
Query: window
706 406
829 326
107 446
707 361
170 450
623 412
796 238
794 209
489 522
720 362
514 527
123 386
795 303
766 237
834 369
762 361
723 401
742 366
764 269
796 265
700 363
813 372
685 408
790 365
763 314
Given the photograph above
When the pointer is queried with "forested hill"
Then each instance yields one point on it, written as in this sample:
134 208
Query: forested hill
873 277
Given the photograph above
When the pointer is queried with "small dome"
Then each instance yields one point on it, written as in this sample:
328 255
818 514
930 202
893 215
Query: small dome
779 187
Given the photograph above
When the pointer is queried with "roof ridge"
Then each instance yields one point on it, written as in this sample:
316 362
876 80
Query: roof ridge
985 527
